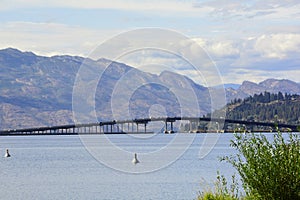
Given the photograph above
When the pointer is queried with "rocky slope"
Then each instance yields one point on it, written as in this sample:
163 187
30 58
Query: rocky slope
37 90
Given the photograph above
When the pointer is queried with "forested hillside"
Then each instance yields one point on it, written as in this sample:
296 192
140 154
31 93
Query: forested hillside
266 107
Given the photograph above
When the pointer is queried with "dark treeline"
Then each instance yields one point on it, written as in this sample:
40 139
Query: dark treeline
266 107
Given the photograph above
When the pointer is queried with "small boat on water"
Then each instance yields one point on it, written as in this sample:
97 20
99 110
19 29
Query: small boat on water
135 160
7 154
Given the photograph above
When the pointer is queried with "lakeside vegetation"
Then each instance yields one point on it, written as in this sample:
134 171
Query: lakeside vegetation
269 169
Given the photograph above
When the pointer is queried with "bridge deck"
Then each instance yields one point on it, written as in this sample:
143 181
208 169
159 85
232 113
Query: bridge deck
109 126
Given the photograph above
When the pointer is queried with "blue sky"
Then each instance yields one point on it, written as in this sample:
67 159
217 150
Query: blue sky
248 40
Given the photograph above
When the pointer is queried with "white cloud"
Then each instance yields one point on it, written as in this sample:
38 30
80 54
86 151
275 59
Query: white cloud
278 45
245 52
219 49
237 9
253 38
153 5
256 58
50 38
224 49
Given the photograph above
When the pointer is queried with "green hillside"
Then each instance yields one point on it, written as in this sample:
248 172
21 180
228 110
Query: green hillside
266 107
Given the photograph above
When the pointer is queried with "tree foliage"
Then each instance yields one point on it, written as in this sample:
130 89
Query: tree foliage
266 107
269 169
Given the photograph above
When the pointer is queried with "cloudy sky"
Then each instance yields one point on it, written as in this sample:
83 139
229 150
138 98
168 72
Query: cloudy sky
247 40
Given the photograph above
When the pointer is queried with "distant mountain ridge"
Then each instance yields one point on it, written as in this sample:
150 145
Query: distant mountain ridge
248 88
37 90
231 85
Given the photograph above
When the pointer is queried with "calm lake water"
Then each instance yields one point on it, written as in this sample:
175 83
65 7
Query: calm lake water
61 167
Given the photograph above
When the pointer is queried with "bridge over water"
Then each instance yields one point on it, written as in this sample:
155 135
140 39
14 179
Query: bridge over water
134 126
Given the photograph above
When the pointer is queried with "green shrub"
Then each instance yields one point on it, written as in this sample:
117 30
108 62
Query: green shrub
269 169
213 196
221 190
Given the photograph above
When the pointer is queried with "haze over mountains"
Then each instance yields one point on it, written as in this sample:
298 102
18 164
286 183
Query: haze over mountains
37 90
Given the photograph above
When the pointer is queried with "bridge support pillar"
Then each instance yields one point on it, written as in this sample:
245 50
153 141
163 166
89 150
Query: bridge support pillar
132 127
166 126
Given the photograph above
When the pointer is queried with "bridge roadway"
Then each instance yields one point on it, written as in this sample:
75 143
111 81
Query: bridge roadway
108 127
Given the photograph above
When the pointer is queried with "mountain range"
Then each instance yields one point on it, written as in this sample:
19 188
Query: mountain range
38 90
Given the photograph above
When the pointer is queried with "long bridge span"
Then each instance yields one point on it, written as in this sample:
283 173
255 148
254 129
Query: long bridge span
134 126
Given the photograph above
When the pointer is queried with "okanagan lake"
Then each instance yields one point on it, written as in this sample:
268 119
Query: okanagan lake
60 167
